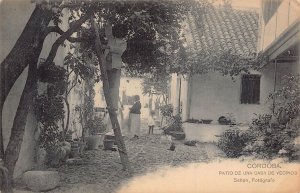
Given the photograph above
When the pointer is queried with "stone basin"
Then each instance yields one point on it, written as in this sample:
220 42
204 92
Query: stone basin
41 180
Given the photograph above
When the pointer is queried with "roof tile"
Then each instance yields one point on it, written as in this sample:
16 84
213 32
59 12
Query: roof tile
224 29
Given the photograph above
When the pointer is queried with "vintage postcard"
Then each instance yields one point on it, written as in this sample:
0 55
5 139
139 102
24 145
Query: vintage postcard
148 96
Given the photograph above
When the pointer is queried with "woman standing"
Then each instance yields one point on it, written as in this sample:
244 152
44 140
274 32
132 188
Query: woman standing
135 117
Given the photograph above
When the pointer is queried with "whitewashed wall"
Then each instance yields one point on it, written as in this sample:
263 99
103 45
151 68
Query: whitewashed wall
214 95
13 18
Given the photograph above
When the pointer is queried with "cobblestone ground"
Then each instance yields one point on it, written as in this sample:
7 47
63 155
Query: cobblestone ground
102 170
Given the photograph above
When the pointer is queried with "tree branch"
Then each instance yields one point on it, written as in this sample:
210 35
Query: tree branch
58 30
68 75
64 36
55 29
74 83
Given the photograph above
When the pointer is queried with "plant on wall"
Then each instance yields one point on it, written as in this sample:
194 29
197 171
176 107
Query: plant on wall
286 100
49 106
77 71
60 82
270 135
166 112
275 133
86 108
50 111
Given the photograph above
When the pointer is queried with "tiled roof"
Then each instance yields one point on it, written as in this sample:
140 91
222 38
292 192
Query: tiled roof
223 29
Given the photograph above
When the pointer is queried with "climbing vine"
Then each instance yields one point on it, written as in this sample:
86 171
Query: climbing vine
49 106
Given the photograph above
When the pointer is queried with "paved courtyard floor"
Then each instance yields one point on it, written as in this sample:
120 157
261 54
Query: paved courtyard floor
102 170
206 132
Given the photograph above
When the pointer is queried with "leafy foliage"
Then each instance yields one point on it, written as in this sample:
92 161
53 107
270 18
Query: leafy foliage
287 99
95 126
271 138
155 84
166 110
49 106
270 135
49 111
51 73
154 37
80 67
227 62
174 125
77 70
233 141
88 105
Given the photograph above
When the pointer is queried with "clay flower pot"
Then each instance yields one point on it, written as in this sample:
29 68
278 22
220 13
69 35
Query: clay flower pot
108 144
93 141
74 150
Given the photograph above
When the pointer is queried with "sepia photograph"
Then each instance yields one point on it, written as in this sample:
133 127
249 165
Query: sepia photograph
150 96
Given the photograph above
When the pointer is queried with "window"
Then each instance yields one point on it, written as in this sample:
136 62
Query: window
250 89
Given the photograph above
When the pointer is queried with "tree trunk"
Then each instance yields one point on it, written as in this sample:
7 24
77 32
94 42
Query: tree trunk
65 130
17 132
112 112
27 46
165 99
81 121
1 136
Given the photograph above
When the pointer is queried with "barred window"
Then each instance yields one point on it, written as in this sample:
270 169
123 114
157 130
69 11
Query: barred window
250 89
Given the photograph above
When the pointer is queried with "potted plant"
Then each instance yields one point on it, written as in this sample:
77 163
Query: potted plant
166 112
175 128
96 128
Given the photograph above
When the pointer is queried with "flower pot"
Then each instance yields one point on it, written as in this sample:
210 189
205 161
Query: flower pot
68 138
93 141
206 121
74 150
178 135
109 136
108 143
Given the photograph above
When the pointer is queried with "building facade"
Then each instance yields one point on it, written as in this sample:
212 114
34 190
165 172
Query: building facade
272 30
